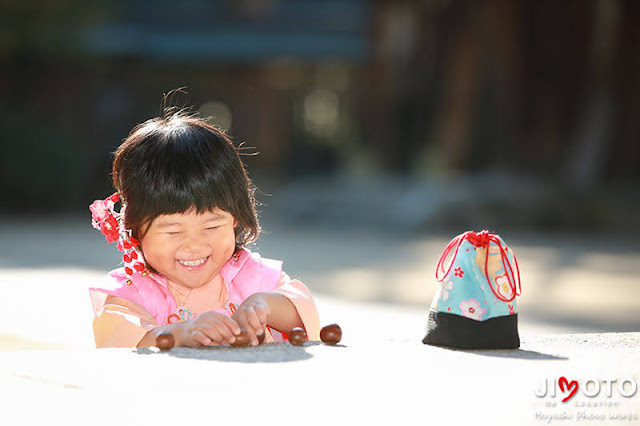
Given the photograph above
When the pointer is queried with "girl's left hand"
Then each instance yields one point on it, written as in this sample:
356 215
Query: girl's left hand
252 315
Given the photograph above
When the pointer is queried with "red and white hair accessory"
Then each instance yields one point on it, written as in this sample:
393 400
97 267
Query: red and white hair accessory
107 220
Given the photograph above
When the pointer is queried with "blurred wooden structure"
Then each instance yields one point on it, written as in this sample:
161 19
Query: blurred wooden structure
425 87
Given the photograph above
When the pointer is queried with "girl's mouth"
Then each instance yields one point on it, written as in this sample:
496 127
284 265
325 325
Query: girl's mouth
193 263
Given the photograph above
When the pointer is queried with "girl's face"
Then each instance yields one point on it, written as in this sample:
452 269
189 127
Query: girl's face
190 248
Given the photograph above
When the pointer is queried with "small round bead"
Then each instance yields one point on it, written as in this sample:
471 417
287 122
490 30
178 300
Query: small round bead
297 336
331 334
165 341
242 339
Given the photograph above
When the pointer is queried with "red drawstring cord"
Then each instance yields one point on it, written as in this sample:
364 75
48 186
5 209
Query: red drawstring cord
482 239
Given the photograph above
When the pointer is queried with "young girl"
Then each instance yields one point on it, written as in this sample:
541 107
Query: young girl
188 211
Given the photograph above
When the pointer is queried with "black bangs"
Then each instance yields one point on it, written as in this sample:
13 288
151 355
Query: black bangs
183 170
178 164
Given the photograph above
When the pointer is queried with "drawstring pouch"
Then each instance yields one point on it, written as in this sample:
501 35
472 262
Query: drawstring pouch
475 304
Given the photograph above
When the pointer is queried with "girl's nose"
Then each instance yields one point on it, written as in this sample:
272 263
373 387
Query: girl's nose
195 244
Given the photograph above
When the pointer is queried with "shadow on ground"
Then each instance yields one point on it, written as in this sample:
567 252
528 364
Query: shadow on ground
268 352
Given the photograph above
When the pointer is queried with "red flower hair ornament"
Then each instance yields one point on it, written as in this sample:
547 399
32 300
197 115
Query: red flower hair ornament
107 220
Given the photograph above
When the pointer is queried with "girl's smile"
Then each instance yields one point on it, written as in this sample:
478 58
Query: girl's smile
190 248
193 263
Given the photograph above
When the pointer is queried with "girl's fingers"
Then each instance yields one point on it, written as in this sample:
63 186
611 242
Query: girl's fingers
247 319
258 320
198 338
241 320
253 318
220 328
218 332
244 323
231 324
262 314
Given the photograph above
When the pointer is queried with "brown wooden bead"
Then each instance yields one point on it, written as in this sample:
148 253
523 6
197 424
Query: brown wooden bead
331 334
297 336
242 339
165 341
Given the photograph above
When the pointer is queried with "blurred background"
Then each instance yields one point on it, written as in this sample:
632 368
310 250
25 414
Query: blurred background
384 128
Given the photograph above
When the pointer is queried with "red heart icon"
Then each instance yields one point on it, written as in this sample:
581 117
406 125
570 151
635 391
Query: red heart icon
563 382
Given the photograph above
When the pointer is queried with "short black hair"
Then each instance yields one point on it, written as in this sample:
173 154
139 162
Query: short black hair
178 162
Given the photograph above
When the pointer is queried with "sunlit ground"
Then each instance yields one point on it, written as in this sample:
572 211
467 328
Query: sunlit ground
376 285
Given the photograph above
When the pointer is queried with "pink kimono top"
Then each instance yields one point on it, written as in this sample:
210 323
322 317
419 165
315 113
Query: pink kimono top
125 310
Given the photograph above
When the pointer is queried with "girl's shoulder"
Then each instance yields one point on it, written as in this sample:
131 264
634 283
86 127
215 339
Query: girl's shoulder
133 287
265 264
147 290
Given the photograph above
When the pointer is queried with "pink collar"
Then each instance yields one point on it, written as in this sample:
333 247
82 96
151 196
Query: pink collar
233 265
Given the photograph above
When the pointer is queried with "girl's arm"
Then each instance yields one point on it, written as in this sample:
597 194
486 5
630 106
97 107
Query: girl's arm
254 314
121 323
267 309
203 330
284 315
149 339
289 305
299 295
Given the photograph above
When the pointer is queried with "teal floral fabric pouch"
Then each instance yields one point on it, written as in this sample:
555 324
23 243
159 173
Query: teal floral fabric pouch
475 304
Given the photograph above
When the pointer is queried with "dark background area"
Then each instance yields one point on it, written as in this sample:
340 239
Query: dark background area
404 114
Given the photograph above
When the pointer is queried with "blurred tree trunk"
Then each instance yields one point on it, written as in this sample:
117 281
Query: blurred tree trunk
625 154
455 118
589 154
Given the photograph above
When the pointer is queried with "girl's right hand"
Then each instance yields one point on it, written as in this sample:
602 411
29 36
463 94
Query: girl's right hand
205 329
